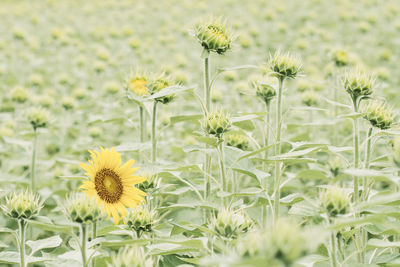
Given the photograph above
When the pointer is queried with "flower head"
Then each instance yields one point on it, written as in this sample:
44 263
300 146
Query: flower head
237 140
335 200
285 65
141 219
217 123
130 256
19 94
378 115
157 86
38 117
213 36
23 205
359 84
340 57
112 183
265 91
230 224
81 209
137 84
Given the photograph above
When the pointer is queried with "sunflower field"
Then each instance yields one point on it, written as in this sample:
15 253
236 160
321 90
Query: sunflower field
199 133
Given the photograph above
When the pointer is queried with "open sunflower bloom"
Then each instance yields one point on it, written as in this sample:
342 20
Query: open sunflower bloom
112 183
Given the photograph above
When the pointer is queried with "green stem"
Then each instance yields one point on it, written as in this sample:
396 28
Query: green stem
153 133
83 244
333 250
207 95
266 142
358 237
22 227
356 151
278 148
142 124
33 184
367 159
220 150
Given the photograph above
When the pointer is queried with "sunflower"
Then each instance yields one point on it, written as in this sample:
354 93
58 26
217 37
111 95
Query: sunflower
138 85
112 183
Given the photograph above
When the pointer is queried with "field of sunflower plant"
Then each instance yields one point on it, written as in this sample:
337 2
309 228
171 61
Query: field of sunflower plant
199 133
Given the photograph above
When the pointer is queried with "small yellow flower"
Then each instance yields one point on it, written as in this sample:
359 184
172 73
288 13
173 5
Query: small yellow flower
112 183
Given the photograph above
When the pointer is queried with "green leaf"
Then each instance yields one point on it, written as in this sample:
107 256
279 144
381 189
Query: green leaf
50 242
181 118
379 243
311 260
170 90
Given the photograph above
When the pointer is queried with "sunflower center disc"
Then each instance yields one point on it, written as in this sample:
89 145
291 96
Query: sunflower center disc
108 185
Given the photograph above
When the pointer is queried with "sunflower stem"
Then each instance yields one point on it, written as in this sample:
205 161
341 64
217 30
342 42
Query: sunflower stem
83 244
278 148
207 95
220 150
21 244
266 142
153 133
142 124
33 184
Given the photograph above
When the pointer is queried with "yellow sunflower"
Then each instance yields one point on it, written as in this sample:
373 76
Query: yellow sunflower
112 183
138 85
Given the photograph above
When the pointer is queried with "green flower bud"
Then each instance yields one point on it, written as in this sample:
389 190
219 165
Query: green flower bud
112 87
213 36
81 209
130 256
237 140
68 102
36 79
281 245
378 115
217 123
79 93
141 220
285 65
46 101
336 165
158 85
309 98
396 151
95 132
152 182
359 84
23 205
38 117
230 224
265 91
19 94
340 58
335 200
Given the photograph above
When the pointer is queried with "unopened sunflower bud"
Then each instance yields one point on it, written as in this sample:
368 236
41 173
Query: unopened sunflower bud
130 256
340 58
309 98
217 123
112 87
79 93
336 165
19 94
95 132
213 36
141 220
23 205
137 84
152 181
359 84
285 65
230 224
379 115
237 140
159 84
335 200
265 91
81 209
38 117
68 102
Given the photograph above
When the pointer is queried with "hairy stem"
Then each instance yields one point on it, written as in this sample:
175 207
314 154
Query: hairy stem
266 142
83 244
21 244
142 124
333 250
207 95
153 133
33 184
278 148
224 181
